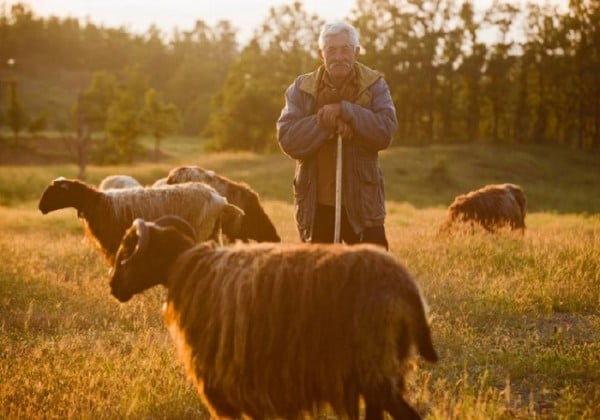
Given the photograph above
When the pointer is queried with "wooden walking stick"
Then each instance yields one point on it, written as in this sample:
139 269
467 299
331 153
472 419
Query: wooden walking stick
338 191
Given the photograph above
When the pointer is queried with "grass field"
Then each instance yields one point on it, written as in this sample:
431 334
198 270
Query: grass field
515 319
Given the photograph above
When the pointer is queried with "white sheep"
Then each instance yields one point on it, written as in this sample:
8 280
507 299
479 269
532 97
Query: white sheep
256 224
107 214
160 182
280 331
118 181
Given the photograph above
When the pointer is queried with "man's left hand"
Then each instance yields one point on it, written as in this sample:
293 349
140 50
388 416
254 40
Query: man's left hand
329 115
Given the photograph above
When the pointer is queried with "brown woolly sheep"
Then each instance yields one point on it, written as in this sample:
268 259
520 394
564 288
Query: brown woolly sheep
108 214
493 207
118 181
282 330
256 224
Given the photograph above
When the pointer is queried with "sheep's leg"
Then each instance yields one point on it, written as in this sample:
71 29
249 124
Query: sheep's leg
385 398
400 409
352 402
373 410
218 401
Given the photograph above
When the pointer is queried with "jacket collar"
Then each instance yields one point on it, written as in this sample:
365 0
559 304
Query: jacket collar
365 75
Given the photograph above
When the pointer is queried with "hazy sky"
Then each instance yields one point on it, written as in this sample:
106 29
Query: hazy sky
138 15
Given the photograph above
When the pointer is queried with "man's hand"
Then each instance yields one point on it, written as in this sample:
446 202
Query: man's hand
329 115
344 129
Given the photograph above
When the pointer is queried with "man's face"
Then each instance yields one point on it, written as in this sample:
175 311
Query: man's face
338 55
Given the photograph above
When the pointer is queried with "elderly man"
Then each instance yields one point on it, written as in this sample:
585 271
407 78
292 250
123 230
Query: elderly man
348 98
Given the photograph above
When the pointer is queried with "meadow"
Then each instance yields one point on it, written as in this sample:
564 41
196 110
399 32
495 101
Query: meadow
515 318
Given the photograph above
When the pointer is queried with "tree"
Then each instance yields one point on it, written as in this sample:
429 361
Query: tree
244 113
96 99
498 69
203 56
471 71
123 129
123 119
38 123
158 118
16 117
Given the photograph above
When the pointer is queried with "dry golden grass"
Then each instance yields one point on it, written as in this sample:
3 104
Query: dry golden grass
515 319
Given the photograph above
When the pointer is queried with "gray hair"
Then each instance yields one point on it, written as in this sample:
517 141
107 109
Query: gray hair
336 28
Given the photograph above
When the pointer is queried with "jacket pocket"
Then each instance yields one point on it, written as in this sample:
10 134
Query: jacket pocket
301 187
372 196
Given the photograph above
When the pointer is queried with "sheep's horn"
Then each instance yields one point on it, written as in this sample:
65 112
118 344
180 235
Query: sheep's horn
178 223
142 233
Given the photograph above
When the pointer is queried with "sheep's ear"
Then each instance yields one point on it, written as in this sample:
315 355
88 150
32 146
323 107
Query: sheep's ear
62 182
231 220
59 181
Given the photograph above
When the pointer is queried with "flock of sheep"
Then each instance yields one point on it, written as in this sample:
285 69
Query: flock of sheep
267 329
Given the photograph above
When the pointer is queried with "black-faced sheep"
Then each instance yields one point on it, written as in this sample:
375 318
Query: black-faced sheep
108 214
118 181
256 224
493 207
280 331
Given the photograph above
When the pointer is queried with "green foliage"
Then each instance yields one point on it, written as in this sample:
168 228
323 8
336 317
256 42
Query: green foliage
124 115
158 118
523 84
16 117
123 127
38 123
245 111
94 102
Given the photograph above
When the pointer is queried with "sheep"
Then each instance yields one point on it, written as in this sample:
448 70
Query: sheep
281 330
160 182
256 224
108 214
118 181
493 207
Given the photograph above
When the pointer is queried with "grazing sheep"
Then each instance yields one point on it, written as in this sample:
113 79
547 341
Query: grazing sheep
107 214
280 331
493 207
256 224
160 182
118 181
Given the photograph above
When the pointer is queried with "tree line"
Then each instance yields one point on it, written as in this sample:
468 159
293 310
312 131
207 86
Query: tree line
506 74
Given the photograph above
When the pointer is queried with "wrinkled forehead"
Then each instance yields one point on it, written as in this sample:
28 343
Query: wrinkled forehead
339 39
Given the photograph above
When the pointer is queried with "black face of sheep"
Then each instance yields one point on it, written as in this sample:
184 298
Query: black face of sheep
58 195
278 331
171 235
256 224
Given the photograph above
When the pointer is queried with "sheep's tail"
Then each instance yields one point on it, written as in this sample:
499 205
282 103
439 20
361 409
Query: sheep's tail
424 343
422 334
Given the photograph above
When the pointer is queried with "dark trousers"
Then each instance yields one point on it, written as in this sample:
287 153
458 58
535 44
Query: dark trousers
324 225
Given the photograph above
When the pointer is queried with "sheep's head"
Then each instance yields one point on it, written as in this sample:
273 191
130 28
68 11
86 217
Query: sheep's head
190 174
60 194
146 253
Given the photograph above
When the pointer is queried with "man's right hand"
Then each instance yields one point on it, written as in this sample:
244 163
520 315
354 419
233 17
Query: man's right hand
329 115
344 129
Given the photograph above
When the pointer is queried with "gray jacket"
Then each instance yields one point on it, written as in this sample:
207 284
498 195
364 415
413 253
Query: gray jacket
373 119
